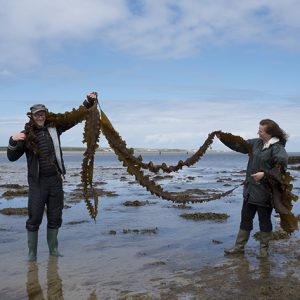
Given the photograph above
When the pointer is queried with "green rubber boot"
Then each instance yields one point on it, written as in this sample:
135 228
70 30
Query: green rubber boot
265 238
52 242
241 241
32 237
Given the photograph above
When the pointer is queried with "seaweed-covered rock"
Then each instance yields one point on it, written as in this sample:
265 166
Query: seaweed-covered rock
198 216
17 193
135 203
20 211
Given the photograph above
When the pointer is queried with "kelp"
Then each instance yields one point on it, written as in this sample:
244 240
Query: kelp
144 180
279 181
120 146
288 222
67 119
91 138
91 134
294 160
229 138
94 124
134 165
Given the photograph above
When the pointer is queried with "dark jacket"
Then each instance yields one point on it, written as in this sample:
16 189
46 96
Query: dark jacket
16 149
260 160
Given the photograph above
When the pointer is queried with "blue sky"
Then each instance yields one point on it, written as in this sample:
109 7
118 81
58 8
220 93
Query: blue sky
168 72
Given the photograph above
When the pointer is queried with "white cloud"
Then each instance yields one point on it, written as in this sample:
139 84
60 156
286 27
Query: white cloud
28 28
165 28
175 124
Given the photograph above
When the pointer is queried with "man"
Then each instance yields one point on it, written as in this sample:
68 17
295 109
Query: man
41 142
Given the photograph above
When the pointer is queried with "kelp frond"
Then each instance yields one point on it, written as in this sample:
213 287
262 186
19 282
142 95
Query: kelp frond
120 146
94 124
279 181
91 138
134 165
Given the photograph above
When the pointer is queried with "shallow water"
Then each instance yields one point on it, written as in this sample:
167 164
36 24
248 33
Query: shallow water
100 265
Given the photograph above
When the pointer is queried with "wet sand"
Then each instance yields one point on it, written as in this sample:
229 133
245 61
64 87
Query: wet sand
144 251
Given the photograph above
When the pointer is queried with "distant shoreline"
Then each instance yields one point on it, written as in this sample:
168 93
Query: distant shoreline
146 150
136 150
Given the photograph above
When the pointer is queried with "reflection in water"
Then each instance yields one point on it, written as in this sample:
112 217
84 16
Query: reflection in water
242 272
264 268
54 282
245 272
34 290
92 296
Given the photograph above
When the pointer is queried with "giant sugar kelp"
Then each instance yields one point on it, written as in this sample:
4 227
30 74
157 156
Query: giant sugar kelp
119 145
281 187
135 165
91 138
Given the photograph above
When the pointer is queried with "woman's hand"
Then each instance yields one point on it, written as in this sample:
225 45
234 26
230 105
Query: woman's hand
258 176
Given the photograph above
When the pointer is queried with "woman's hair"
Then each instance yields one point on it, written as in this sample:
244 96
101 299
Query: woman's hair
273 129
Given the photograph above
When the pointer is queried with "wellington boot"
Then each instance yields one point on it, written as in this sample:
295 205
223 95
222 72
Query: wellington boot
53 242
32 237
265 238
241 241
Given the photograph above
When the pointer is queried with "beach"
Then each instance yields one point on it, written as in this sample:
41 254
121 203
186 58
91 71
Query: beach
141 247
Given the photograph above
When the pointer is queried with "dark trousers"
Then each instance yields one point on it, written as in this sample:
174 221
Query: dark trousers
47 191
264 217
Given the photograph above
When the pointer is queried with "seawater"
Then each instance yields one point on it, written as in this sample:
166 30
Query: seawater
99 263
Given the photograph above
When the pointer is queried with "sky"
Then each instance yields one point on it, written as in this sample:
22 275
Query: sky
167 72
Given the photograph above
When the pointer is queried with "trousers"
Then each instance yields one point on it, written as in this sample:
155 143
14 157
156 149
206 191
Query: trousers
46 192
264 217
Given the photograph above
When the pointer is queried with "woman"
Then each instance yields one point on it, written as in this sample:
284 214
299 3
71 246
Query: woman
267 156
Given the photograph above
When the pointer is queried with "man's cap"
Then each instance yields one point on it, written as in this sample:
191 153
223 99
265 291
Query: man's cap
37 107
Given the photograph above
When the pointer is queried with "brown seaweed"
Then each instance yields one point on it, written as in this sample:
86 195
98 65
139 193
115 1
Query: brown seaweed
136 203
279 181
12 211
198 216
11 194
94 124
128 153
91 138
119 146
293 160
134 166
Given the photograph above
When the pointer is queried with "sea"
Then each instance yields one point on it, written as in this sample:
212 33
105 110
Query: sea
128 249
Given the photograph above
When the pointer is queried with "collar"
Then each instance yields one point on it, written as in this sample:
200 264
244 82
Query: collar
271 141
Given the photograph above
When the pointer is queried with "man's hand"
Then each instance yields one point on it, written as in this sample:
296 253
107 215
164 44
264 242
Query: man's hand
218 134
90 100
91 97
20 136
